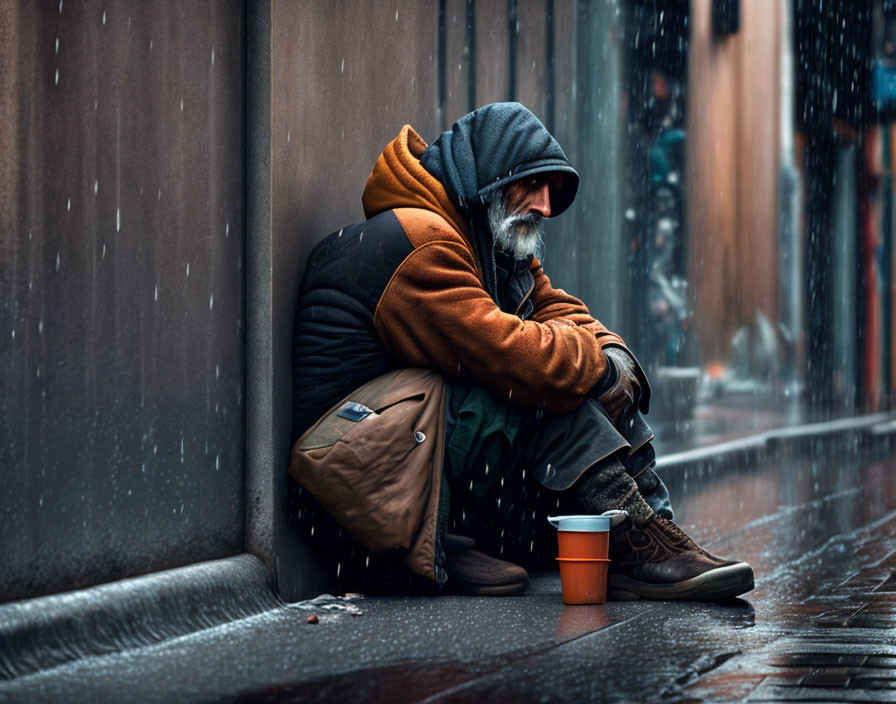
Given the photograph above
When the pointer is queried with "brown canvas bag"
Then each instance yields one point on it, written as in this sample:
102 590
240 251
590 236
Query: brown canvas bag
374 461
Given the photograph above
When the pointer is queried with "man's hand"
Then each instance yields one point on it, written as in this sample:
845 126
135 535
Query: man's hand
624 394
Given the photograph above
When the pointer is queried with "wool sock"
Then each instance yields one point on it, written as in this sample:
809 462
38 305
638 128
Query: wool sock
607 485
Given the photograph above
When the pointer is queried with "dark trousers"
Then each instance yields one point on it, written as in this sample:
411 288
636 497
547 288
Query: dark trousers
506 470
509 468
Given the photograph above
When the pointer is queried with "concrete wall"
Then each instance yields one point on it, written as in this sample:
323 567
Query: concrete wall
344 78
586 247
121 321
166 169
327 120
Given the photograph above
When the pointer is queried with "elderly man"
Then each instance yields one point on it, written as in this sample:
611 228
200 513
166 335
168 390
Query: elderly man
447 395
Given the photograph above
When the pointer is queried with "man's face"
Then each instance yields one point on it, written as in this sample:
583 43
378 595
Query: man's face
515 217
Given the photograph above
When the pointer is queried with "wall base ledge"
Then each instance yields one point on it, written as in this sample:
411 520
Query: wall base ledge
50 631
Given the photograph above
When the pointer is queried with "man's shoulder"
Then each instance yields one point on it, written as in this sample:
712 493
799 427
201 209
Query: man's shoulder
425 226
349 239
386 238
344 254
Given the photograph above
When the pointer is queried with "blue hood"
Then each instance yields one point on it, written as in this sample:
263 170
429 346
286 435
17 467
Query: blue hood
493 146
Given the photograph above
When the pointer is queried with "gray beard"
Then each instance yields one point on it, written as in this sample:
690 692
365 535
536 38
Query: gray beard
518 235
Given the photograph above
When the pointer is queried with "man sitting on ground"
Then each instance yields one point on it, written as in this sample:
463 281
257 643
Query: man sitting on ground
467 397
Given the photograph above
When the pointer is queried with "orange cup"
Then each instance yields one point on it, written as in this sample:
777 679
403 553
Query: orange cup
595 545
584 581
583 543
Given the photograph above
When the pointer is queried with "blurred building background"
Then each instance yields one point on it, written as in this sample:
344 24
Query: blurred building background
166 169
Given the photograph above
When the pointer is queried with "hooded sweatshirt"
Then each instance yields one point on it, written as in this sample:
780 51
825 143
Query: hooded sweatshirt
415 284
486 150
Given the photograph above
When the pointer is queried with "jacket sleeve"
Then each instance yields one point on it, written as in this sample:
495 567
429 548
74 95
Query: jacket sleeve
435 312
555 303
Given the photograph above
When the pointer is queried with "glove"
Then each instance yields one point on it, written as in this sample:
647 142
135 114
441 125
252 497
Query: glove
624 393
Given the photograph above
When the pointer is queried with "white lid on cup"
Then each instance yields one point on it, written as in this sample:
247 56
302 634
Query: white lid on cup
588 523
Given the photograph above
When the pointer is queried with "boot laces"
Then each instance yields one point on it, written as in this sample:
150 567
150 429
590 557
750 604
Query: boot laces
672 528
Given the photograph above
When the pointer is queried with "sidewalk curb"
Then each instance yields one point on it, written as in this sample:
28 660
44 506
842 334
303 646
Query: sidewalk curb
877 425
49 631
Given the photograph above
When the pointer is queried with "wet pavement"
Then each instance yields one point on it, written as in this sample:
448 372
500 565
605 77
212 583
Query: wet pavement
717 419
817 519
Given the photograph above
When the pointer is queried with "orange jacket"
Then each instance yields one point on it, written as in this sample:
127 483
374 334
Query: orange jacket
435 311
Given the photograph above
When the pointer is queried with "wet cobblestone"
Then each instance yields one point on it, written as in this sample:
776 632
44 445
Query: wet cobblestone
843 653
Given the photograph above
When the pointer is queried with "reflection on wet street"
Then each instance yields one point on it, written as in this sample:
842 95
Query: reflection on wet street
819 526
815 519
820 531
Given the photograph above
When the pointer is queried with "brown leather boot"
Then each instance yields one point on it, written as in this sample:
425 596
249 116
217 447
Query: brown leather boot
659 561
474 573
